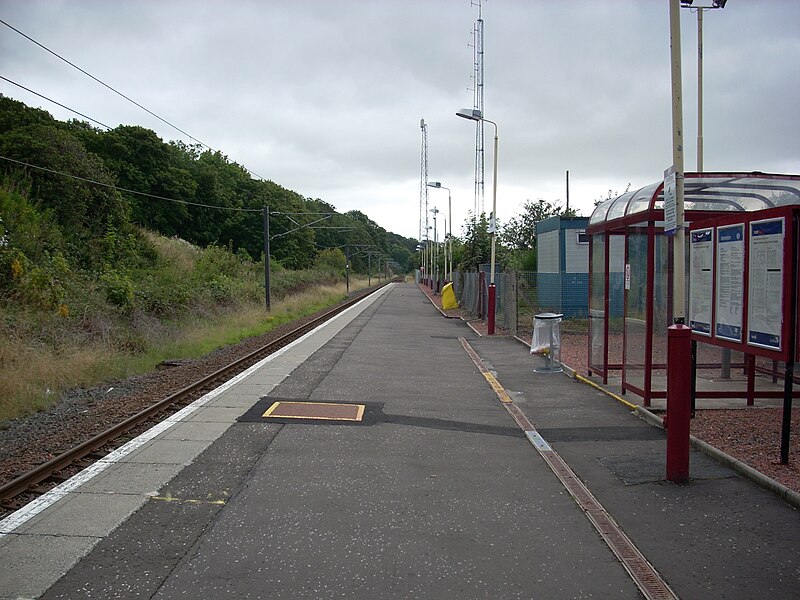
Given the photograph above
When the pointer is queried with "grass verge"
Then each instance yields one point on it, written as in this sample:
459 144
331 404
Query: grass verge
33 375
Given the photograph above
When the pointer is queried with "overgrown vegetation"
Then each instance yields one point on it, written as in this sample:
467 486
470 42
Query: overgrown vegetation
61 328
97 282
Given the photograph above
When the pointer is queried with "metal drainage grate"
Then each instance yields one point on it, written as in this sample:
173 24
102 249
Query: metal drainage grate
323 411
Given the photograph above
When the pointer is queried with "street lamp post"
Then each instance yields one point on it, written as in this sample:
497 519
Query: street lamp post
428 252
725 352
473 114
449 246
435 269
700 9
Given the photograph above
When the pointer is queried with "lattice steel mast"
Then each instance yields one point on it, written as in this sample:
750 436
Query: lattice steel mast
478 105
423 185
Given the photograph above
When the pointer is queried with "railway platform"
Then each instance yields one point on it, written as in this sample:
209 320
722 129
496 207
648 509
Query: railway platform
393 453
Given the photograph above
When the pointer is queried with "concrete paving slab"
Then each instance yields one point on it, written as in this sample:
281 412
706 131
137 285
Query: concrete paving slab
84 514
241 397
197 430
133 478
166 451
26 557
217 414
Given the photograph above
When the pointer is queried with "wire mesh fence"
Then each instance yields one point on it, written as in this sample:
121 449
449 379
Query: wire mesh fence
520 295
561 292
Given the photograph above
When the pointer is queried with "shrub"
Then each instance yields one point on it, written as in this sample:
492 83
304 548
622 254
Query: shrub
118 289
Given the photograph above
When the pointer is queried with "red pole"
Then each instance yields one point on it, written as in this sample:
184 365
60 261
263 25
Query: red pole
679 402
491 303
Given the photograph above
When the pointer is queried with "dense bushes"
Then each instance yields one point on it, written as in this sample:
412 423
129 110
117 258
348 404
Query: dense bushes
76 244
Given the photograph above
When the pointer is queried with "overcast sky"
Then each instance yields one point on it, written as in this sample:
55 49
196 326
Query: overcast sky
325 97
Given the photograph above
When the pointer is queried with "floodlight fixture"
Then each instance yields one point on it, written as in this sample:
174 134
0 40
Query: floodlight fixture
473 114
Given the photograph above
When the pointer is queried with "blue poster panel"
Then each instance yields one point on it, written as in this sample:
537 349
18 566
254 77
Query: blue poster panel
765 284
701 280
730 282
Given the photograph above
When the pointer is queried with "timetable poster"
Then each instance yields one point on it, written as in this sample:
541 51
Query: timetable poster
730 282
701 262
765 285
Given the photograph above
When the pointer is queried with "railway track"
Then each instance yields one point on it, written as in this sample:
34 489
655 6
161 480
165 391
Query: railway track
28 486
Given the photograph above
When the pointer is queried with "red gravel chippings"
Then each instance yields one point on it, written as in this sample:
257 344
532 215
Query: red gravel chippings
752 435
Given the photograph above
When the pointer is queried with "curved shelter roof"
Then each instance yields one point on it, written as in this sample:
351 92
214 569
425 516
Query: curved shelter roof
703 193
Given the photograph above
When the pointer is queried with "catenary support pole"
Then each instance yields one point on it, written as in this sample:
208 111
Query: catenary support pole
265 215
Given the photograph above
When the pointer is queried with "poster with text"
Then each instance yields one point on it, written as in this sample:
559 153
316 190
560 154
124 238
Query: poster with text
765 284
701 280
730 282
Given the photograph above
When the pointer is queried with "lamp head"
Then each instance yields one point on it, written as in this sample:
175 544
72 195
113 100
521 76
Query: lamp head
473 114
435 184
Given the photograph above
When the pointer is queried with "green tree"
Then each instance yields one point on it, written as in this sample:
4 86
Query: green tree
520 231
477 245
84 211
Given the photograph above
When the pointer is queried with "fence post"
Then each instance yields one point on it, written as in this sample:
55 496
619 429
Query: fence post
511 302
481 294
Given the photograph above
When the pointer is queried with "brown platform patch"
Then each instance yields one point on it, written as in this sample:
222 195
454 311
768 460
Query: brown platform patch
323 411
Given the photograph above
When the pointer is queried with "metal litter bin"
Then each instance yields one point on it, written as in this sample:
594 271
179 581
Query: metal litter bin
546 339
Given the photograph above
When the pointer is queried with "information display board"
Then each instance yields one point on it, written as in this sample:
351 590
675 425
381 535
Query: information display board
765 284
740 285
730 282
701 268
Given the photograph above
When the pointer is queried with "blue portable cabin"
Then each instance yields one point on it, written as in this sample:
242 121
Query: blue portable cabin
562 258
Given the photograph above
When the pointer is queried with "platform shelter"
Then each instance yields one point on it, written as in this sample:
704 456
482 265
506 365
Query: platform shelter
626 235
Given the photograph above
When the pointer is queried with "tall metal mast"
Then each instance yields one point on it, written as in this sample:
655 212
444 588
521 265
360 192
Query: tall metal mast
478 104
423 184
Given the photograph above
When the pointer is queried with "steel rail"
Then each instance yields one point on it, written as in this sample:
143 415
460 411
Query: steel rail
25 482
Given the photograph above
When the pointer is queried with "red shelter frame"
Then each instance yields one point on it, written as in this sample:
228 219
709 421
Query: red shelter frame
637 218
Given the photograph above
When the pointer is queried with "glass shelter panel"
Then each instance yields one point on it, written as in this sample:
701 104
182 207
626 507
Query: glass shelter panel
597 316
616 297
636 307
640 201
600 212
662 309
619 207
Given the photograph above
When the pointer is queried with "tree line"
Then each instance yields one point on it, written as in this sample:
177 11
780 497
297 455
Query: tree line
181 190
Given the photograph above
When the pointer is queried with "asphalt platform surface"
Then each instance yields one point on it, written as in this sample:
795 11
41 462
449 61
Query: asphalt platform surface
437 493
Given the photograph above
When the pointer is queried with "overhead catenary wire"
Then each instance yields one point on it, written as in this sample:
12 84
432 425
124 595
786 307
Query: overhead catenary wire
150 112
186 202
120 189
55 102
109 87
